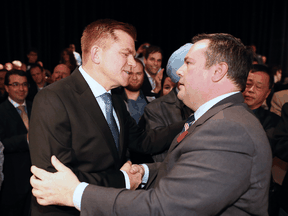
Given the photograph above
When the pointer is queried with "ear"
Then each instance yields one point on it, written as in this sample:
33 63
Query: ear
95 54
145 60
221 70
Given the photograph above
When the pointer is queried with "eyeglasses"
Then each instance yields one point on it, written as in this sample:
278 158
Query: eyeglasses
17 85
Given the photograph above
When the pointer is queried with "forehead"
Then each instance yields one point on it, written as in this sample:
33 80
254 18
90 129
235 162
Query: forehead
61 68
35 70
156 55
124 41
258 76
197 48
32 53
17 78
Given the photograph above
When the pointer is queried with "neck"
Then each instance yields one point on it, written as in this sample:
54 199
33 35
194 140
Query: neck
132 95
40 85
101 78
152 75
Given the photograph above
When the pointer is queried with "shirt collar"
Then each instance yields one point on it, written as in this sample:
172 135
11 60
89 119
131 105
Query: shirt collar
15 104
95 87
206 106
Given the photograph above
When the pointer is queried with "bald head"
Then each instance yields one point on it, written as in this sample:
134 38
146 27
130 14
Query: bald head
60 71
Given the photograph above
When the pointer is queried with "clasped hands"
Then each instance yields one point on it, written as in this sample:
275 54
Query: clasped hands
58 188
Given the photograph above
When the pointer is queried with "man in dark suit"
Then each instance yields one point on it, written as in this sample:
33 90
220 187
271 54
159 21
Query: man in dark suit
153 75
167 109
70 117
15 194
259 84
219 165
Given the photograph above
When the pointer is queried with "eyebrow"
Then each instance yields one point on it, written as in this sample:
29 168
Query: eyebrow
130 51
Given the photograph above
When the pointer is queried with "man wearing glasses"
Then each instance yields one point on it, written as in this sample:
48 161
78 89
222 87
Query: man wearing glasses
15 194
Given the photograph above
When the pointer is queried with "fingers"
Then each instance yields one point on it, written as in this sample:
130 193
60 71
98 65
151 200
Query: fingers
57 164
39 173
126 167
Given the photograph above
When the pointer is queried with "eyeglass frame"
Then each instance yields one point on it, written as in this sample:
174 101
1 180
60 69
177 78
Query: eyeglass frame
17 85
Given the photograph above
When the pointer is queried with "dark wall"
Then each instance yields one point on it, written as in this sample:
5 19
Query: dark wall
51 26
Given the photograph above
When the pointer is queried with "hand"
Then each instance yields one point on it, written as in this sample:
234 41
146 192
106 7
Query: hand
141 48
158 79
135 173
54 188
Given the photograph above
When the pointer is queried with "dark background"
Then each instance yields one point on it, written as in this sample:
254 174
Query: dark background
51 26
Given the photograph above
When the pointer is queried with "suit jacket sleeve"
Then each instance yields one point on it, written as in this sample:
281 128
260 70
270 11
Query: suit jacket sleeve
281 135
51 134
207 177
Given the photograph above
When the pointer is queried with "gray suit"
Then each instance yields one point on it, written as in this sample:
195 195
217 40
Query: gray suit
221 167
162 112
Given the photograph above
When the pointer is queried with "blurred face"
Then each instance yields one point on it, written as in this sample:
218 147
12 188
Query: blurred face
32 57
60 71
194 76
153 63
168 85
8 66
257 89
136 78
117 59
65 56
72 47
37 75
17 93
2 78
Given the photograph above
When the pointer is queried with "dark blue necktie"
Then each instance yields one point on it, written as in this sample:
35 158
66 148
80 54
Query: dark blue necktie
188 123
110 118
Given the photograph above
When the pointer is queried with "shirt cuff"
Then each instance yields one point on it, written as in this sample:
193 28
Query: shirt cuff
127 181
77 195
146 174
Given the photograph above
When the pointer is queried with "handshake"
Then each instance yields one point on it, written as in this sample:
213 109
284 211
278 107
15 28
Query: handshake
135 173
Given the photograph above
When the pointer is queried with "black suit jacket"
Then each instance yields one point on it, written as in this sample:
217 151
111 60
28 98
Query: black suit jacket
147 88
67 121
17 163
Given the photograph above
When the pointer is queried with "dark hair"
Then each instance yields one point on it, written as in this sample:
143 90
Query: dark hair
227 48
72 59
264 69
152 49
35 66
13 72
3 70
140 62
102 29
275 68
32 50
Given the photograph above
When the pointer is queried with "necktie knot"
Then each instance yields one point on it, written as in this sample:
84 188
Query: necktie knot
188 123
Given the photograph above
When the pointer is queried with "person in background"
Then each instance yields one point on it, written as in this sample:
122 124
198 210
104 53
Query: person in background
3 93
15 194
153 75
60 71
76 54
67 58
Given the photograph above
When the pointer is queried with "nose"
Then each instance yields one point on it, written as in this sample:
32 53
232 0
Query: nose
131 61
179 72
251 89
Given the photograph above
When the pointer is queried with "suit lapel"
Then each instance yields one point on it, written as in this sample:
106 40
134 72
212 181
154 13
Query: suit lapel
223 104
90 105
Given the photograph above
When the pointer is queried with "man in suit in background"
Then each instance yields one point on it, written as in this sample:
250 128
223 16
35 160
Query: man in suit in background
89 130
15 194
153 75
219 165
